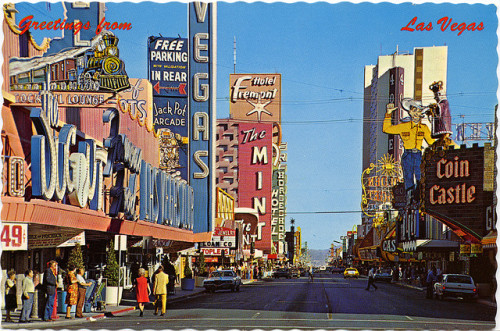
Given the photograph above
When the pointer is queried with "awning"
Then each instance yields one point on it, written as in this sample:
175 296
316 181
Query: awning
490 240
429 244
258 253
57 214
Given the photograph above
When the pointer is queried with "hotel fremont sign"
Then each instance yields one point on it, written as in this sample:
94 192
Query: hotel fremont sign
255 97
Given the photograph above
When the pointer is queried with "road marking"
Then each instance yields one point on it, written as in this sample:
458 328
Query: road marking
282 301
408 317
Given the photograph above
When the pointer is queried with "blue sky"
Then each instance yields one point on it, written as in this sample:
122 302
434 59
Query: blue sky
321 50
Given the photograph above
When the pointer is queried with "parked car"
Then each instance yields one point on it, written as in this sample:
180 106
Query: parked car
295 273
456 285
384 275
222 280
351 272
282 272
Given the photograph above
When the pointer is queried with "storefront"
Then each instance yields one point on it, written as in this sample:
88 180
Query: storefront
81 161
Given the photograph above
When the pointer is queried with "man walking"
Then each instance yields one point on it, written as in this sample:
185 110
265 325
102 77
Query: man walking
371 279
50 283
160 291
431 279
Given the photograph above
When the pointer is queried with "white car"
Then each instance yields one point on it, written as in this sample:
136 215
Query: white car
222 280
455 285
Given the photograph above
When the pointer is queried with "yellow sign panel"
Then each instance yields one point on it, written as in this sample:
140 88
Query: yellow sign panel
225 205
476 248
465 249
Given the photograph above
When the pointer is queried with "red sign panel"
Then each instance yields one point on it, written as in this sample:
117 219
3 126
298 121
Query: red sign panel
255 183
454 191
224 232
215 251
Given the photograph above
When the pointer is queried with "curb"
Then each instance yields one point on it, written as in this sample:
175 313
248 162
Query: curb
111 313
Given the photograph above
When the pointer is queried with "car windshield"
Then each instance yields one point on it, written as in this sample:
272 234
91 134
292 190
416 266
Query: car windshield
459 279
222 274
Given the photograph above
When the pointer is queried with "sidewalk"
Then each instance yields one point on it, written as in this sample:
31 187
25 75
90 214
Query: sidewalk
127 305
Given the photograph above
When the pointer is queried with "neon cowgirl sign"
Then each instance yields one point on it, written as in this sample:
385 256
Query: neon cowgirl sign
56 173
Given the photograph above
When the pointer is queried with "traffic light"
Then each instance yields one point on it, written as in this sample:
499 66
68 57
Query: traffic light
252 248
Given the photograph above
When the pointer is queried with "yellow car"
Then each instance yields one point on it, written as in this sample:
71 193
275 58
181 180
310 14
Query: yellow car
351 272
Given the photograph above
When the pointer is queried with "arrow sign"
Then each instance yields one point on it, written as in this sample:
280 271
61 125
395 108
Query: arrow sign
181 88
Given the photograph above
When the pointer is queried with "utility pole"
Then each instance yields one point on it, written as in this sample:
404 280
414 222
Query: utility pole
234 54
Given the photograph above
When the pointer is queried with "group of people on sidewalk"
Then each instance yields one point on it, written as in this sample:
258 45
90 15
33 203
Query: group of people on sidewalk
74 285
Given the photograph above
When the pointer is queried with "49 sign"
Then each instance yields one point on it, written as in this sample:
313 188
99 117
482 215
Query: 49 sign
14 237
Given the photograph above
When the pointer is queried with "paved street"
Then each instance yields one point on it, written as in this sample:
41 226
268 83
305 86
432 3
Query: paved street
329 302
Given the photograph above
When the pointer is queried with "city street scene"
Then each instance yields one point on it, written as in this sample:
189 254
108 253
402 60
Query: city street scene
240 166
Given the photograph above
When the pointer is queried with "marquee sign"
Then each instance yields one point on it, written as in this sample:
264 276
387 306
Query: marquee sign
222 237
378 181
91 69
215 251
255 97
168 66
255 184
455 188
225 205
57 173
202 98
278 200
14 236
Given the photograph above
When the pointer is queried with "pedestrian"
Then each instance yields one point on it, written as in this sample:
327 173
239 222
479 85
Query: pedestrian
160 291
431 279
50 284
170 271
371 279
27 296
82 291
439 274
142 290
10 295
71 287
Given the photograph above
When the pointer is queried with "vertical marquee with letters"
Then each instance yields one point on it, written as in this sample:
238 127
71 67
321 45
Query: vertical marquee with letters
202 75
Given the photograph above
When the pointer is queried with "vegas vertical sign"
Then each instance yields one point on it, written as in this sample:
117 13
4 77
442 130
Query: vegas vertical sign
202 97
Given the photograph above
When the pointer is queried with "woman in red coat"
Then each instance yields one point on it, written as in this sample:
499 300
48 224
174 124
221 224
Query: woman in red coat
142 290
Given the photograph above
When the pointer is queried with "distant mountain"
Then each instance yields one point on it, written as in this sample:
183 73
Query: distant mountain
318 256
